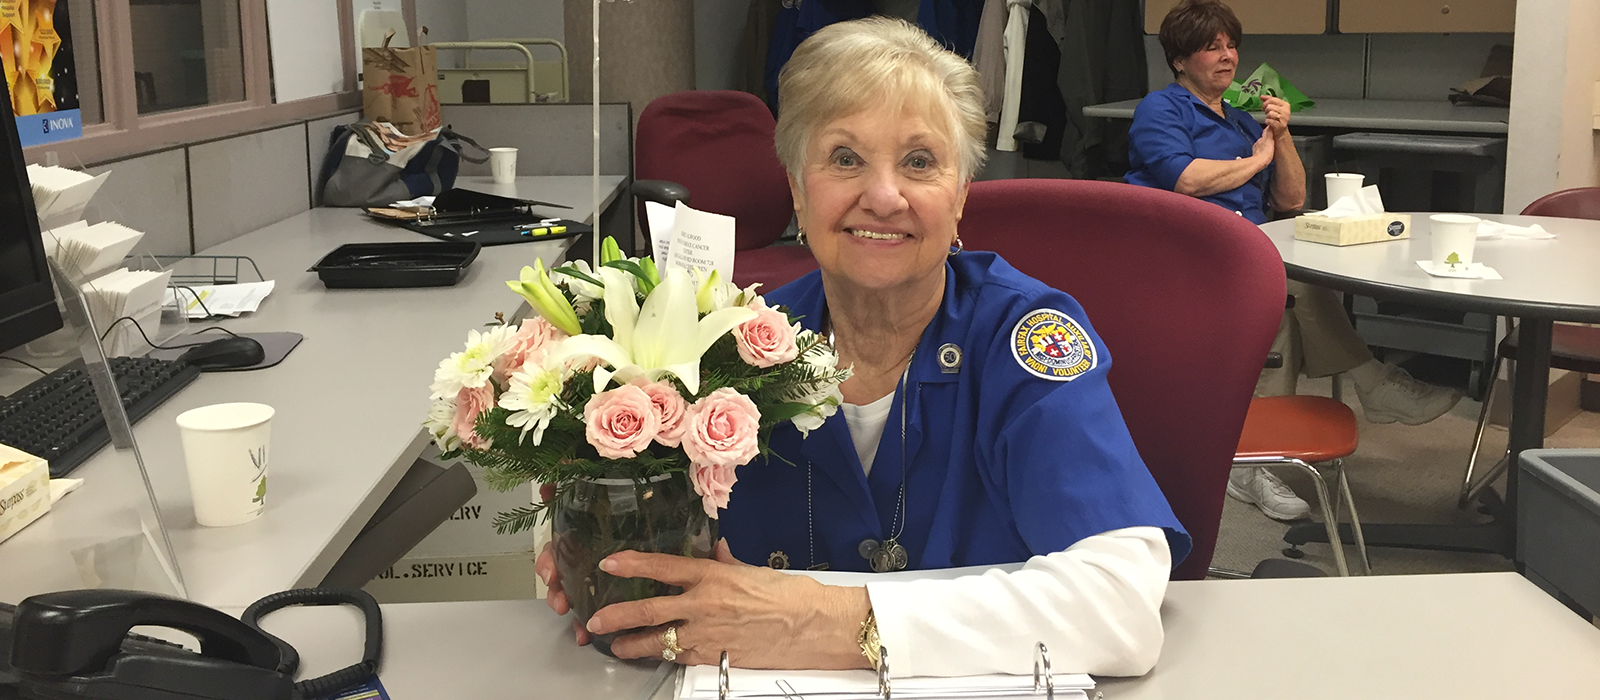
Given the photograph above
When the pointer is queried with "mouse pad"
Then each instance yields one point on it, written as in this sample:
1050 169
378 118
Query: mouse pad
275 345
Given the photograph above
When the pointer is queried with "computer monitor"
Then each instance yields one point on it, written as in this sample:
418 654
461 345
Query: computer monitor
27 299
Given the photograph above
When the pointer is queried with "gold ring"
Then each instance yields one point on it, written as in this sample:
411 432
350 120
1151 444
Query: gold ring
669 642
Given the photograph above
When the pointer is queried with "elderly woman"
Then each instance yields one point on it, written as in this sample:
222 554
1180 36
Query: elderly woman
977 428
1185 139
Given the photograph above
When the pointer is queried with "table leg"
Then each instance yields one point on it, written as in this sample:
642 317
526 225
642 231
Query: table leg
1529 387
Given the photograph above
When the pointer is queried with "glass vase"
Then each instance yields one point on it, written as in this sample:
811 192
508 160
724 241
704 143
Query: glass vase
600 517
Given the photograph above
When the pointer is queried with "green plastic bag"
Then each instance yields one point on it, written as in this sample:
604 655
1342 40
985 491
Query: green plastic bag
1265 81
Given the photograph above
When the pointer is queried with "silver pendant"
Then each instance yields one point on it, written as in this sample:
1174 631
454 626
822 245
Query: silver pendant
889 556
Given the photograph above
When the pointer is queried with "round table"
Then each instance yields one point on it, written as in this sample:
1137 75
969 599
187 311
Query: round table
1545 281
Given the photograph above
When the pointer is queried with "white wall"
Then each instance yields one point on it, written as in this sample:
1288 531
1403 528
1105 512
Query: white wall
514 19
304 40
1552 140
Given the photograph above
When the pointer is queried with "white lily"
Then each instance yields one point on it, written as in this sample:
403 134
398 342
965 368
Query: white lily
666 336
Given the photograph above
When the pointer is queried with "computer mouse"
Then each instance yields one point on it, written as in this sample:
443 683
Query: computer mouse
225 353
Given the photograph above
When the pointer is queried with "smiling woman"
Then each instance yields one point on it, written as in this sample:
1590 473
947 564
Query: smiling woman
977 427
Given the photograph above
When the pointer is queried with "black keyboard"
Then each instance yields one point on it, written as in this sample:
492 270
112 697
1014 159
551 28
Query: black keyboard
58 419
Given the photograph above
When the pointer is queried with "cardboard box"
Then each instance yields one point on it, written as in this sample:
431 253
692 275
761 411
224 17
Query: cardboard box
24 490
1350 230
508 576
471 529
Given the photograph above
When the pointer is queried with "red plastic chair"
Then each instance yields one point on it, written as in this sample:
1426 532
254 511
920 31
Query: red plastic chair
1187 297
1301 432
718 145
1572 347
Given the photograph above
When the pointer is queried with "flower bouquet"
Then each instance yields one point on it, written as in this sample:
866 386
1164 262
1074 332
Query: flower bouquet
636 395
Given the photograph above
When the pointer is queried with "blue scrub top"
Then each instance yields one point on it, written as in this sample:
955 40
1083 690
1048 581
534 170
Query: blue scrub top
1172 127
1021 451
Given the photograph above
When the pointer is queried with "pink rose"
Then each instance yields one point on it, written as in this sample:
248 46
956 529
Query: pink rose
669 407
721 430
470 403
768 339
621 422
530 344
714 484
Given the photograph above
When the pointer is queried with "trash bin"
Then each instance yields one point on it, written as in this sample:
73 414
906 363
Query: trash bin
1558 525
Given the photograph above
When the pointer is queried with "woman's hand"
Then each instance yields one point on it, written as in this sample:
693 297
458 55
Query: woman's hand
762 618
1264 150
545 567
1277 112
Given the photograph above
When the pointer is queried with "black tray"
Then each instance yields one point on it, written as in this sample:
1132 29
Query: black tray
361 265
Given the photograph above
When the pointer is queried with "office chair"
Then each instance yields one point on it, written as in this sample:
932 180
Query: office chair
716 147
1187 298
1573 347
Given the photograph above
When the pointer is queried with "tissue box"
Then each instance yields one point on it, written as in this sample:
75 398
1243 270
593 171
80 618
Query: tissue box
24 490
1350 230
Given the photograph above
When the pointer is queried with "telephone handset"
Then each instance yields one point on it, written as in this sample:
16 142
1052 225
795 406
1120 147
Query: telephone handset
76 644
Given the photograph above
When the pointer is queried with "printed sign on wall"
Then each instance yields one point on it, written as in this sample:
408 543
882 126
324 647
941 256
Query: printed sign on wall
36 48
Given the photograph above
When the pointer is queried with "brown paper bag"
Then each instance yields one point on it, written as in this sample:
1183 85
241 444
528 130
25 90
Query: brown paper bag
401 86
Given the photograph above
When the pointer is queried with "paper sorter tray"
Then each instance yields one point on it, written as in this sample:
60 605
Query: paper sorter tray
356 265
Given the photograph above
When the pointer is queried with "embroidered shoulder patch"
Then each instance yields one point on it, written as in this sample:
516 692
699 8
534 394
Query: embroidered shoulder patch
1049 344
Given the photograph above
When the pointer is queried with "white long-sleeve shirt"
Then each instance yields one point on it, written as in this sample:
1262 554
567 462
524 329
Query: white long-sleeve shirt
1096 606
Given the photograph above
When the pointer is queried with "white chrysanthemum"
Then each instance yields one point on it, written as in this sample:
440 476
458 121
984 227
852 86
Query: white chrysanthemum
471 367
827 404
534 397
584 291
441 424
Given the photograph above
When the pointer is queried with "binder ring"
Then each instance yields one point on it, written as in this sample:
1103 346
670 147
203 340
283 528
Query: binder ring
883 672
722 677
1041 658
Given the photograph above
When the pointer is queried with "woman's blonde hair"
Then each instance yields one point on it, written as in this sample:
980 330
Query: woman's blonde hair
849 67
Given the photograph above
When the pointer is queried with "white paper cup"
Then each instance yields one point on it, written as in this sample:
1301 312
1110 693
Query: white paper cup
225 449
1341 185
503 165
1453 234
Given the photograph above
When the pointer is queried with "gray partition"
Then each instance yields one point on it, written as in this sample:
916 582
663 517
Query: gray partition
148 193
1426 66
551 139
247 182
318 132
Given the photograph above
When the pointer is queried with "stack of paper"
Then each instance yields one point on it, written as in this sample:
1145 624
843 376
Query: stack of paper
700 683
61 193
84 250
201 301
122 292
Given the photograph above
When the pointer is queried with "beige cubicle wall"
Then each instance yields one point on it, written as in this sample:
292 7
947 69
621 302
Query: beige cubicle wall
1258 16
1427 16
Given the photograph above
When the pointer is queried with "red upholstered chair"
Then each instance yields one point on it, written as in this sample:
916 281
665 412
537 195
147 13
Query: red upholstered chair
717 144
1572 347
1187 297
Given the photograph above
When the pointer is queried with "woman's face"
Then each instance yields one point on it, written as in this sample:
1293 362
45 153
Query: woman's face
1212 68
883 193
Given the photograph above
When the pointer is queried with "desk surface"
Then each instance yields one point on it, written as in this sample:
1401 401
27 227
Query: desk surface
1553 279
350 401
1396 115
1411 637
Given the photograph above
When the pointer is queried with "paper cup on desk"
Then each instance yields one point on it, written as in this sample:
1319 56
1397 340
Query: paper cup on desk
1341 185
225 449
1454 236
503 165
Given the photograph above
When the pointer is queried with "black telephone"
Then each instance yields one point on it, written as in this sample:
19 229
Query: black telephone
76 644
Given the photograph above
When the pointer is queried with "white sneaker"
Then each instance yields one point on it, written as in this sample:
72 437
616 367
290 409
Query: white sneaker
1402 398
1262 489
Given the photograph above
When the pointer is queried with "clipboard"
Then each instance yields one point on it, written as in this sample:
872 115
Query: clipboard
701 684
487 219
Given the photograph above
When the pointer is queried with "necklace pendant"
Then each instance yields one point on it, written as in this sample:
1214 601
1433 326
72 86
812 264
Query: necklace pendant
890 556
868 548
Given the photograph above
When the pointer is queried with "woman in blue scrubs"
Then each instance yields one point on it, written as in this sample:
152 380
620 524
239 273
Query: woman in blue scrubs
1185 139
977 428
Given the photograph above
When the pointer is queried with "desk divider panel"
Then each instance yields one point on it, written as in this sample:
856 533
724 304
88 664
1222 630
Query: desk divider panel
247 182
550 138
148 193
